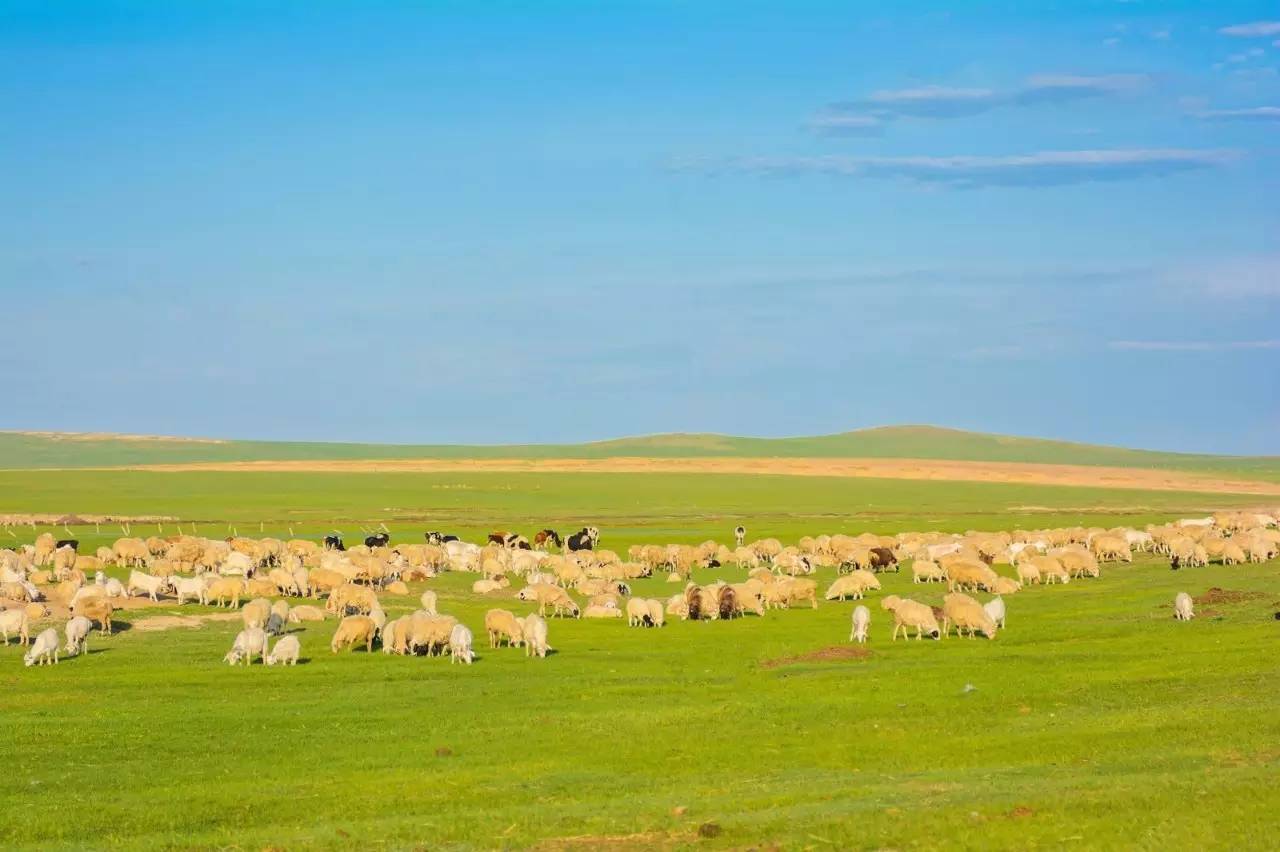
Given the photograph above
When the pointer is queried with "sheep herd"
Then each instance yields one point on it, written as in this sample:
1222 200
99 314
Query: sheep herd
50 578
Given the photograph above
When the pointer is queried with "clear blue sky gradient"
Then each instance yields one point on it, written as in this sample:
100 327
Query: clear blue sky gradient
551 221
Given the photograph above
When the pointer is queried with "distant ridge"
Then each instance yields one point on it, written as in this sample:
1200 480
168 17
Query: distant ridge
34 450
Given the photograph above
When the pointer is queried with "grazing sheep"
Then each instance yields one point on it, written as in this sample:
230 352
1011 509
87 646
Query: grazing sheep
256 613
299 614
431 632
926 571
190 587
907 614
638 613
535 636
1006 586
97 609
995 610
859 624
1183 609
460 645
225 590
77 633
15 621
967 614
395 635
657 616
354 630
1028 572
854 584
249 643
428 602
43 648
285 652
502 624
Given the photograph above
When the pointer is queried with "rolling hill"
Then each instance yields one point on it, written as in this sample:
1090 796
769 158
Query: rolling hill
36 450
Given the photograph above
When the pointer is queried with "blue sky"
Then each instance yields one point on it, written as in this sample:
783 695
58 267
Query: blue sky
502 222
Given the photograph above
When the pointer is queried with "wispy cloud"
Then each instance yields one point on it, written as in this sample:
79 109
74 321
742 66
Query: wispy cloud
1264 113
834 124
1234 278
1256 29
941 102
1192 345
1045 168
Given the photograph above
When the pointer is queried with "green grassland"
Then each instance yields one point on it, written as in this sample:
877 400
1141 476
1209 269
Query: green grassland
1094 721
19 450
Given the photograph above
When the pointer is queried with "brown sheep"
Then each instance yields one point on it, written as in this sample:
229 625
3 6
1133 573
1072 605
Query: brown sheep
354 630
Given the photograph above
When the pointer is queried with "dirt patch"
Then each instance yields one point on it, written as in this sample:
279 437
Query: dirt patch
915 469
111 436
12 520
643 840
833 654
161 623
1216 595
1021 812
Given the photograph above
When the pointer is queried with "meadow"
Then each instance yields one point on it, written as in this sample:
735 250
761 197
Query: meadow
1094 720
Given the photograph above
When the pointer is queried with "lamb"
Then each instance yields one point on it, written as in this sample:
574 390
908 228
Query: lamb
42 649
286 652
249 642
907 614
860 623
502 624
460 645
353 630
995 610
15 621
77 633
854 584
535 636
1183 609
299 614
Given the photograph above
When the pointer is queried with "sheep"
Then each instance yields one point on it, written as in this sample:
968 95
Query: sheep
1005 586
1183 609
907 614
859 624
546 594
795 590
256 613
926 571
995 610
395 635
657 616
42 649
225 590
854 584
460 645
249 642
431 632
638 613
285 652
354 630
535 636
1051 570
428 602
97 609
484 587
598 611
15 621
299 614
1028 572
968 573
130 552
502 624
967 614
77 633
189 587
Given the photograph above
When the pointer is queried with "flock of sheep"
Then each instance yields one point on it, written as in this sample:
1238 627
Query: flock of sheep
37 578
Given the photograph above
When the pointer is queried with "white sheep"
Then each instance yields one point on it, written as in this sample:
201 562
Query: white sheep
15 621
250 641
77 633
995 609
460 644
861 622
535 635
1183 610
43 648
286 652
428 601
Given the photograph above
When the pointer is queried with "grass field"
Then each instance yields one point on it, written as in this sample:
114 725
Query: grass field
1095 720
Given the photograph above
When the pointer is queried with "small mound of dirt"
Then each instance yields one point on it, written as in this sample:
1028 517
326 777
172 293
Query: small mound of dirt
1020 812
833 654
1216 595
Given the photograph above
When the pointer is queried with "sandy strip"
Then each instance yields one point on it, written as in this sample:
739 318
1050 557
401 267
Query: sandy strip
915 469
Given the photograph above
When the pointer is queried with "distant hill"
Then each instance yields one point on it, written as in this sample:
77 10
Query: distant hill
30 450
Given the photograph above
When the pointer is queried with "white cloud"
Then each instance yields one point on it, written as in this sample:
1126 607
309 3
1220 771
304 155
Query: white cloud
1192 345
1044 168
1257 29
1263 113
